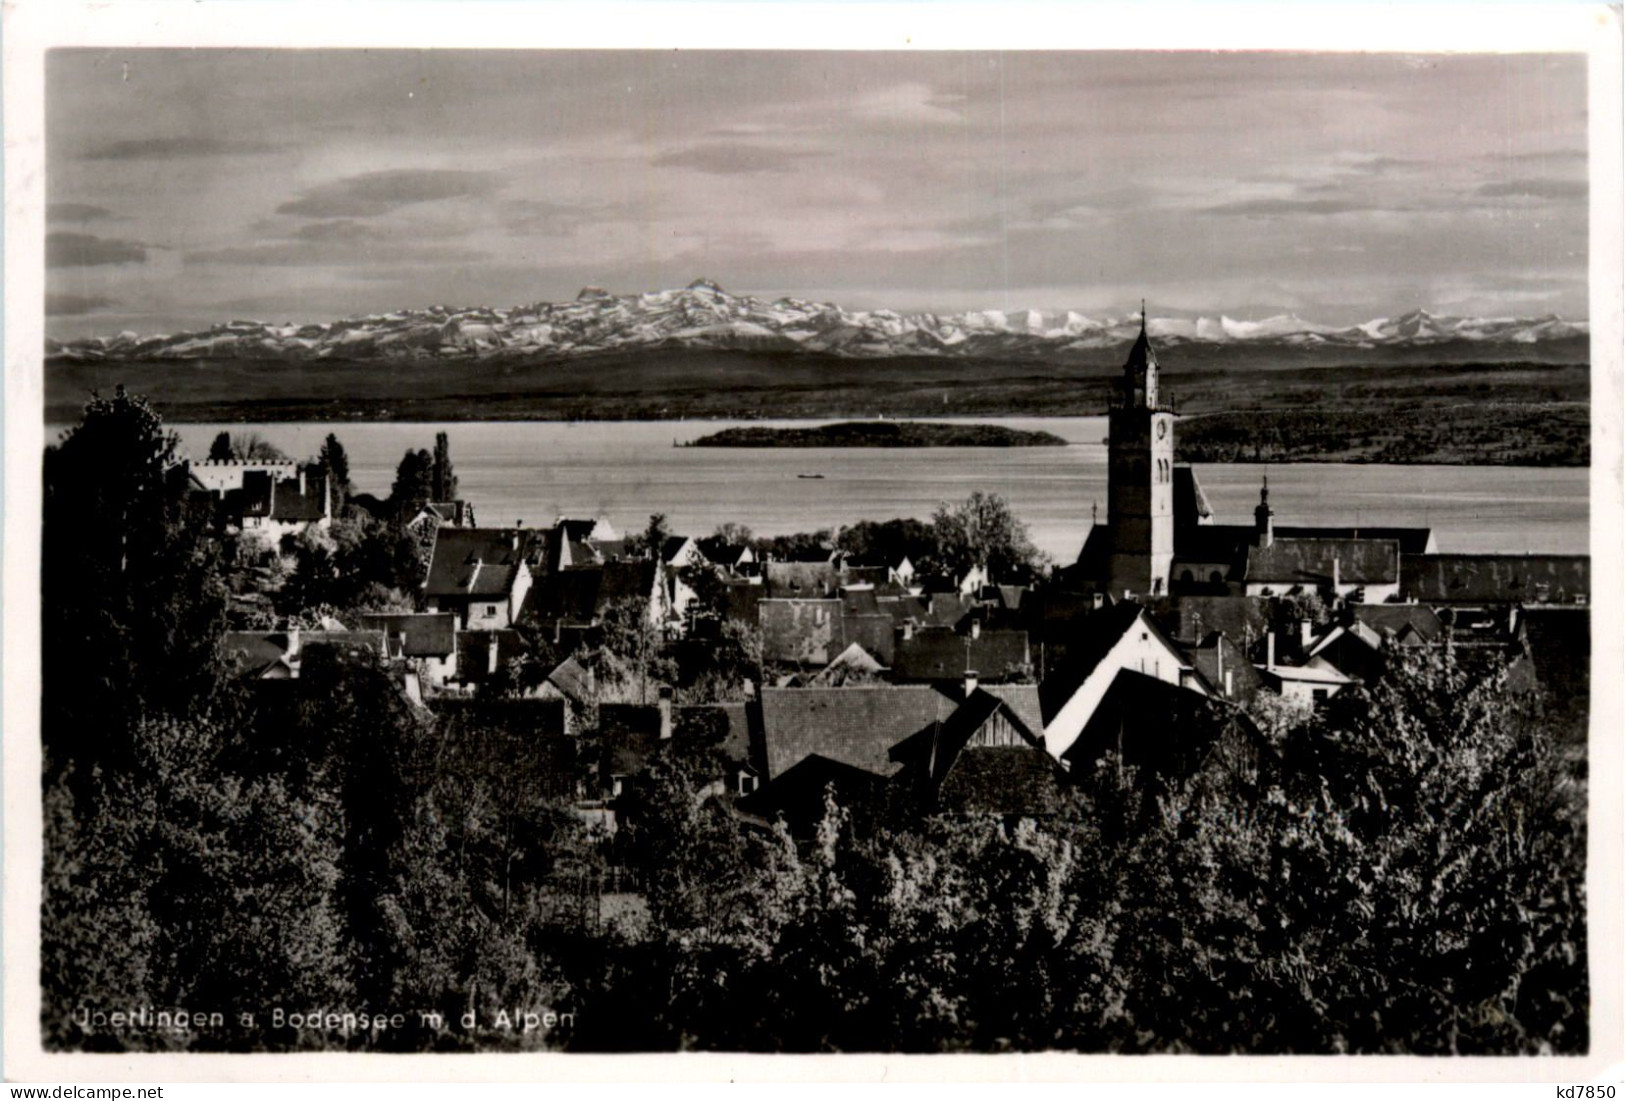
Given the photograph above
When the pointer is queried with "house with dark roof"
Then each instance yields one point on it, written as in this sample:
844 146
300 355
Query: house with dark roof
278 655
1401 624
629 734
884 742
801 631
1225 665
1244 620
1121 637
483 575
732 557
570 603
482 654
428 639
801 580
264 501
1482 579
941 653
1366 569
575 685
1352 648
1146 723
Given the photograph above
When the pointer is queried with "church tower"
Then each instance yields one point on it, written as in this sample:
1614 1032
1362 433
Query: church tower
1140 477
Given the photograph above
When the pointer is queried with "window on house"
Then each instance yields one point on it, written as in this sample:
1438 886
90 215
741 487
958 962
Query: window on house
1320 695
747 783
490 609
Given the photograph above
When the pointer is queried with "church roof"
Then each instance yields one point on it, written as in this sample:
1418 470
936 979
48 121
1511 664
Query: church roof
1296 561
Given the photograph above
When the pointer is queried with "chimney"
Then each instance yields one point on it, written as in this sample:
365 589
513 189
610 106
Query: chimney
1337 573
293 644
665 712
908 629
970 682
515 540
491 655
1269 650
975 628
1306 629
301 480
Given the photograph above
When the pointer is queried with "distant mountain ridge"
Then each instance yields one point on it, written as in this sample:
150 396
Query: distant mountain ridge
703 315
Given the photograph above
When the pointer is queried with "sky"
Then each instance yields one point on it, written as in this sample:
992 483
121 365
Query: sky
190 187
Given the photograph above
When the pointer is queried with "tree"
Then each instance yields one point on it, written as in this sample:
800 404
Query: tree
731 534
133 604
220 451
891 540
634 644
413 486
651 540
253 447
336 464
982 531
444 480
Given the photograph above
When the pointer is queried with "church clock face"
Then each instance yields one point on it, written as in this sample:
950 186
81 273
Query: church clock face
1162 429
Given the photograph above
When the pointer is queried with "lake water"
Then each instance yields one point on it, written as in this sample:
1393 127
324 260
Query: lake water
536 471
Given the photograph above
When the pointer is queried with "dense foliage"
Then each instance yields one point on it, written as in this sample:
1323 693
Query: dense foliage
1402 870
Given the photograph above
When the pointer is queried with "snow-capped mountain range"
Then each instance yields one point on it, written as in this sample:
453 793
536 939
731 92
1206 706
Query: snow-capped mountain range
703 315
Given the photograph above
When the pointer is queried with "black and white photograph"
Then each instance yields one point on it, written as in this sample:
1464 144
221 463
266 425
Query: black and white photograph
780 549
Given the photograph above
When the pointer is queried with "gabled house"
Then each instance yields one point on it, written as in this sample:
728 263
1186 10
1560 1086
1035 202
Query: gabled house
568 604
1146 723
681 551
1401 624
483 575
1121 637
1314 682
444 514
880 743
429 639
734 558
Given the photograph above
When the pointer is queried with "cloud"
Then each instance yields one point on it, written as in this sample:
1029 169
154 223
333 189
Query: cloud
83 250
734 158
1536 189
69 305
176 148
333 252
373 193
341 229
76 212
1272 207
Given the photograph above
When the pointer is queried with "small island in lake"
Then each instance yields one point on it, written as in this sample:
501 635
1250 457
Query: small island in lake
880 434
